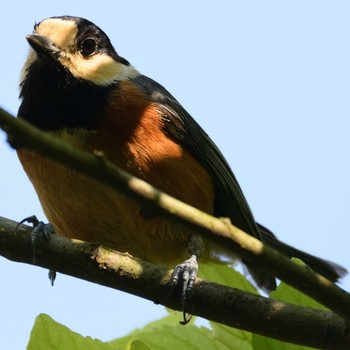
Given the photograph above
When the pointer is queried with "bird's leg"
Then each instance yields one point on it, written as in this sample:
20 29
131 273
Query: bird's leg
187 273
41 232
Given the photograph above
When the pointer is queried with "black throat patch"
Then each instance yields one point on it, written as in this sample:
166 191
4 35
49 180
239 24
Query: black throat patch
52 98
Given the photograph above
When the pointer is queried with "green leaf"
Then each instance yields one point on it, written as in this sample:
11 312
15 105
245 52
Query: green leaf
293 296
168 334
139 345
232 338
225 275
48 334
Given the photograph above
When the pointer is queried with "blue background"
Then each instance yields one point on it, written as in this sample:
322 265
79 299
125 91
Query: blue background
269 82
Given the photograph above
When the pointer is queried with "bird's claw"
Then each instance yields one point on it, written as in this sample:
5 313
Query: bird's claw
41 231
186 273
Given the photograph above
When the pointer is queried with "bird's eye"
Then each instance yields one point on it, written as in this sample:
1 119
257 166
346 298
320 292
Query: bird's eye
88 47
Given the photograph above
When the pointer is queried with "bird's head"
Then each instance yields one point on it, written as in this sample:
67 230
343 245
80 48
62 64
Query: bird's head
78 46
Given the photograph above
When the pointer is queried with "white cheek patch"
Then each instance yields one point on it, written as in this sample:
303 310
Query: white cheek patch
24 71
100 69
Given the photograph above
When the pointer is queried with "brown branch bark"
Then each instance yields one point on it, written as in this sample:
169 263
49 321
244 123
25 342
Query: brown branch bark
233 307
22 134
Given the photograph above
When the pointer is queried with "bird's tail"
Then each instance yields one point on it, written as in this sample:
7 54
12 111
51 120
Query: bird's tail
326 268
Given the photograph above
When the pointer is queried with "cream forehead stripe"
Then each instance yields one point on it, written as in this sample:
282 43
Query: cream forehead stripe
61 32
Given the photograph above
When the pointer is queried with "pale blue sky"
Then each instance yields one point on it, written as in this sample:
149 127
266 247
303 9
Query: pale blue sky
269 82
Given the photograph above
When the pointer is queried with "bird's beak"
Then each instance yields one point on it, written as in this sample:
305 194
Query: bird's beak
42 45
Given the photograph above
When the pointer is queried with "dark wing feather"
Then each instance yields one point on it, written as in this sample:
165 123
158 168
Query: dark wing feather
229 199
326 268
179 125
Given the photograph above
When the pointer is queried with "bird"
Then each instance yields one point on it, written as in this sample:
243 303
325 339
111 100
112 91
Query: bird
74 85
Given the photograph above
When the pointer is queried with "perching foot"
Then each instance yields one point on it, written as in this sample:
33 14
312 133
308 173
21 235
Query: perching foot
41 232
186 273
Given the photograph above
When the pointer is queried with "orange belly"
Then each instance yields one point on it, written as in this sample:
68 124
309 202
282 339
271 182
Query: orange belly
82 208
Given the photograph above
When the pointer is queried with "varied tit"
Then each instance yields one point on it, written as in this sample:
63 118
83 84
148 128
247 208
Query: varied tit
74 85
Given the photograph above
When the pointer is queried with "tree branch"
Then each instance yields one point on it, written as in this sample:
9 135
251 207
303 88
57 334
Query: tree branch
233 307
22 134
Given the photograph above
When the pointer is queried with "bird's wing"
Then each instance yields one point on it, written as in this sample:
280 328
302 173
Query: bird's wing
180 126
229 199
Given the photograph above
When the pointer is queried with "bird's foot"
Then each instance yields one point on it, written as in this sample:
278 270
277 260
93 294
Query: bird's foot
186 273
41 233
